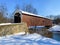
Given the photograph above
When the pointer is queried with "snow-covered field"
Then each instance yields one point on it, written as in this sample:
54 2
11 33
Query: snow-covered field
29 39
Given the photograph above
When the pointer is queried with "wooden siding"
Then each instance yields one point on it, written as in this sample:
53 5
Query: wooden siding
36 21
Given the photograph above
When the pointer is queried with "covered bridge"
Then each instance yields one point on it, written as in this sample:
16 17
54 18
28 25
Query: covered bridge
31 19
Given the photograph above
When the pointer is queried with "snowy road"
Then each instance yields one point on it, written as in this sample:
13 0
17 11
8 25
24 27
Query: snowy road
30 39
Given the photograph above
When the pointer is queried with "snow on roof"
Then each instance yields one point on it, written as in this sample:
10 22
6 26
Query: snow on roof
20 11
55 28
33 14
30 39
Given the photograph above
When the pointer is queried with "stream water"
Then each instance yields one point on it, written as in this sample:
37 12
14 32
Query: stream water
56 36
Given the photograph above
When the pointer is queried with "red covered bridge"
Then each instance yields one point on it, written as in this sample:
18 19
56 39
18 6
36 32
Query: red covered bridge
31 19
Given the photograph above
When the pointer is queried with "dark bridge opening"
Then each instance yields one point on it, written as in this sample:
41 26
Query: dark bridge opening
17 18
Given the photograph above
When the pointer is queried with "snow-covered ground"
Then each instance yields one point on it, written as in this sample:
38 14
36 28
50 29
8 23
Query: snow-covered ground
55 28
29 39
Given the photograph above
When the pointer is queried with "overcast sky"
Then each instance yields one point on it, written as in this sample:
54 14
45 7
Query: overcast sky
44 7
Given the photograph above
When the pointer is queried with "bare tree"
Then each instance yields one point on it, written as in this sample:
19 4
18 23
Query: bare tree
51 17
3 10
30 8
57 19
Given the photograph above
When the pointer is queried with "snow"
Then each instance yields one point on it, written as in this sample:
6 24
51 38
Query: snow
37 27
21 33
21 11
30 39
55 28
32 14
5 24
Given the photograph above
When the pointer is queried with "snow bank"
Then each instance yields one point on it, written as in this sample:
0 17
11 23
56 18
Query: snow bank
55 28
32 36
21 33
30 39
5 23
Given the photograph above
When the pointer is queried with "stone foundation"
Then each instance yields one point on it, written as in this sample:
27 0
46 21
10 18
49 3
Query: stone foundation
13 28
